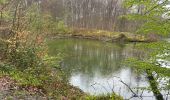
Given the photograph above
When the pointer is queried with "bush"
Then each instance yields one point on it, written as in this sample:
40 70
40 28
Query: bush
60 28
24 58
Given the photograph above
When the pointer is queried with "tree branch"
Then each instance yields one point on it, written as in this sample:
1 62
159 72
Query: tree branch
155 7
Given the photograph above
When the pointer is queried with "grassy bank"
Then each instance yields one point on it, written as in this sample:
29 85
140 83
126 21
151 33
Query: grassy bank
102 35
29 73
10 89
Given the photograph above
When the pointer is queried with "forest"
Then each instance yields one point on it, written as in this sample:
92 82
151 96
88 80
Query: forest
84 49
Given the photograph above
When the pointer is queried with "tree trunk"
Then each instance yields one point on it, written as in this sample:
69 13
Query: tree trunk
154 86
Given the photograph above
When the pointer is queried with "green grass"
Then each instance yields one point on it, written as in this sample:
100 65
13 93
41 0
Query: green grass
112 96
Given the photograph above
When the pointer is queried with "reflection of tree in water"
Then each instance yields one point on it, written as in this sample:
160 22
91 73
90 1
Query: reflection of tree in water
94 60
88 59
92 57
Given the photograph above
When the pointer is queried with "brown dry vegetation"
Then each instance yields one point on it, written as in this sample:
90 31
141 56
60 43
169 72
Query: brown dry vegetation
107 36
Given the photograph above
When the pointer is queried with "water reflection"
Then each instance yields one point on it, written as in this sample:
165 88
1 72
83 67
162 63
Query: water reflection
96 67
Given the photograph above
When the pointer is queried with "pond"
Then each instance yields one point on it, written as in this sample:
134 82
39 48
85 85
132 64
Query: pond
97 67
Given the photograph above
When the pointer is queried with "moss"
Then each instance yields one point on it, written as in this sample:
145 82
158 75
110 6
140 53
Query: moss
105 35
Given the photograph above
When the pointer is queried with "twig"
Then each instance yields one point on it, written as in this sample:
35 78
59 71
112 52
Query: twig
104 87
93 86
168 95
110 87
142 93
134 94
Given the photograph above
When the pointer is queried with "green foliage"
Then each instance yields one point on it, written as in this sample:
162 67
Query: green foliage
142 66
3 1
24 58
6 16
113 96
37 22
149 64
44 22
153 15
25 54
32 76
155 50
60 27
160 28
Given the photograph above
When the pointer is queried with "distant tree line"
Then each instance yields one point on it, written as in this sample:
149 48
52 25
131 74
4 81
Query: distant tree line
97 14
89 14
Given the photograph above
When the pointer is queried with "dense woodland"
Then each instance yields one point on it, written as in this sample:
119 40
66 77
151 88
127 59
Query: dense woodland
27 25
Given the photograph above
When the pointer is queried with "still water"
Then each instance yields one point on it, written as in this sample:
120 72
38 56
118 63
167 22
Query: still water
97 67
